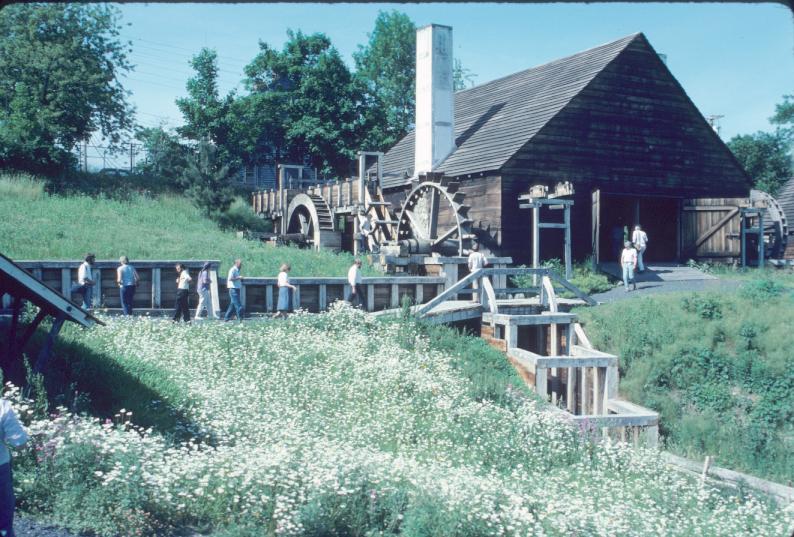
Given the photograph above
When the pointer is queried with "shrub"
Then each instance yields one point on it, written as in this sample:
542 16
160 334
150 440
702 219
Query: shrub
761 290
705 306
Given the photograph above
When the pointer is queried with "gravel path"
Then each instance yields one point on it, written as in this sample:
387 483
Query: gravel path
645 288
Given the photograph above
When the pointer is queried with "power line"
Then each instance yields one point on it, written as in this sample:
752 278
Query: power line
158 44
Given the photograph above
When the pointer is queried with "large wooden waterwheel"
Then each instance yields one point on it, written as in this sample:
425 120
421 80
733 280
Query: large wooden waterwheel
433 218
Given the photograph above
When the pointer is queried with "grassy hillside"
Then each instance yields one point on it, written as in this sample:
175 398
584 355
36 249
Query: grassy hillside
36 225
338 424
718 367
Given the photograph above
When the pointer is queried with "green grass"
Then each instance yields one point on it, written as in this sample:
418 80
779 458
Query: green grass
37 225
718 367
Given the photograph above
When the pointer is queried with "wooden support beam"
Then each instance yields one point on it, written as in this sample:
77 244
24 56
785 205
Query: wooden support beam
156 288
542 383
323 297
370 297
46 349
214 296
394 296
567 254
269 299
66 283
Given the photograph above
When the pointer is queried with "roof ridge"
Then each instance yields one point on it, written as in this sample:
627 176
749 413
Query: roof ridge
628 39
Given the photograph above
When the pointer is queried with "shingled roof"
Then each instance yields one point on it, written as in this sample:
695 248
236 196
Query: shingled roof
494 120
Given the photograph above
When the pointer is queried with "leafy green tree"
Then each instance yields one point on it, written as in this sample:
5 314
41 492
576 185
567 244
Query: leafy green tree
59 82
206 114
784 117
304 105
207 180
765 156
166 157
386 66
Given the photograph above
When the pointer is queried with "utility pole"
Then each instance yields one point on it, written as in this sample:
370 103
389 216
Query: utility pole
85 155
132 157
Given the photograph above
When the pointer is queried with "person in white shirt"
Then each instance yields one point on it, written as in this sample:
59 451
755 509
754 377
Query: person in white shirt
85 281
285 289
476 261
365 229
628 260
234 284
640 240
11 434
354 279
183 280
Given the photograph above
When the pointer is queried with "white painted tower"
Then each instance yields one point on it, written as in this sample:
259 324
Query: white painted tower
435 113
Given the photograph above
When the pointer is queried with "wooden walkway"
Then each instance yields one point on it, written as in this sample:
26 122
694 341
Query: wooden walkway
659 272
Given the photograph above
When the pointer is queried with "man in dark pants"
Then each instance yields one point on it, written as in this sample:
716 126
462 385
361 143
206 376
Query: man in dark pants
11 434
182 308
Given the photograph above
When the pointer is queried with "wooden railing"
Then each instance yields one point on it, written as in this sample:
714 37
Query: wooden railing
259 295
156 289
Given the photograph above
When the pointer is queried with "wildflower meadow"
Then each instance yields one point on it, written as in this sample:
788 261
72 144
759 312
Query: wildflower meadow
339 424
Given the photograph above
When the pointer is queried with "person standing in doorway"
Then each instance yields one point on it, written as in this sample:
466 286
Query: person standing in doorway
127 280
285 289
85 281
234 283
354 280
477 261
11 434
182 309
204 293
640 240
628 260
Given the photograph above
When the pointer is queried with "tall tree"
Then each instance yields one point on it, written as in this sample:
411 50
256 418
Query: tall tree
304 102
766 157
784 117
166 157
207 180
204 111
59 82
386 65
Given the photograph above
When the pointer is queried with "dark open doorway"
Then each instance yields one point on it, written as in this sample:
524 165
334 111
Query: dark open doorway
659 217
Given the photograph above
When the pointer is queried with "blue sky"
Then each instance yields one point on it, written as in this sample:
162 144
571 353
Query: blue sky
736 60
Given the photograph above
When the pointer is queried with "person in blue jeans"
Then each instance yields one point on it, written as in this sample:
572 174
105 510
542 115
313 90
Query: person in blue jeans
127 280
11 434
233 284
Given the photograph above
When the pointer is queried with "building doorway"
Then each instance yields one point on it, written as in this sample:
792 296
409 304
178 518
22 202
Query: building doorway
658 216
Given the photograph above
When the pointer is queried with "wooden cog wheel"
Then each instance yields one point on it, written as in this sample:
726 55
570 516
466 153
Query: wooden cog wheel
434 213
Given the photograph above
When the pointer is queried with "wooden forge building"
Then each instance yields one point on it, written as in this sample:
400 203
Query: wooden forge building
616 124
611 122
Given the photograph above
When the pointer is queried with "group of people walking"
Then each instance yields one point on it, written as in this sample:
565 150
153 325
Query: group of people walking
127 280
631 258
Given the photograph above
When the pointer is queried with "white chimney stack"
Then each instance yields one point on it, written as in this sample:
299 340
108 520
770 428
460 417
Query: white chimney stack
435 114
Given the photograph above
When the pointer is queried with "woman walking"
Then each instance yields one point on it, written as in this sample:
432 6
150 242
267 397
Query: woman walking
127 280
284 292
205 295
182 289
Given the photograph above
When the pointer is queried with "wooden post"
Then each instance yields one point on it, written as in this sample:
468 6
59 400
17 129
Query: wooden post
743 237
46 349
511 336
541 382
586 399
599 390
214 296
535 242
66 283
595 217
269 298
156 289
322 297
419 294
554 350
243 296
450 273
97 296
395 296
652 436
296 298
370 297
568 263
761 260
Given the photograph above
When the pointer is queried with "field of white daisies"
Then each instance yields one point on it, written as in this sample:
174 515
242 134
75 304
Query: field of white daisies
338 424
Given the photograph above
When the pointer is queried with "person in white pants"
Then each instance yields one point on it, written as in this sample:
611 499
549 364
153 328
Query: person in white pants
640 240
205 296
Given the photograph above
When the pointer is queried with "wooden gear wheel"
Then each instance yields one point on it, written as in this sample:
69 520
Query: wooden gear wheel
435 219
